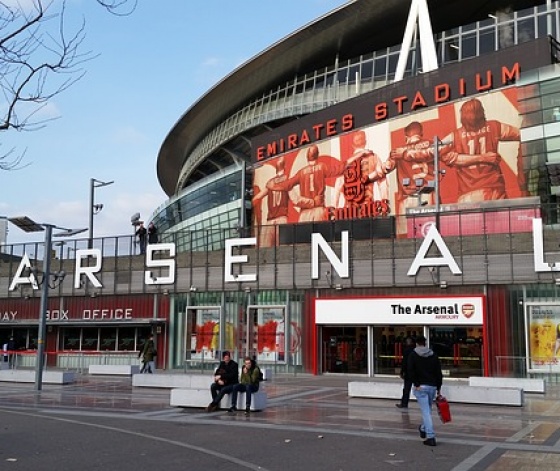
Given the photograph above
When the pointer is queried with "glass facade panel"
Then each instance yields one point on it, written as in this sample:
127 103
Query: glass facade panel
487 41
525 30
90 338
70 339
126 339
468 46
107 338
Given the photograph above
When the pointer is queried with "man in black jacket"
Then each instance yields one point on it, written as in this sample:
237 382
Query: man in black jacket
424 370
226 376
407 387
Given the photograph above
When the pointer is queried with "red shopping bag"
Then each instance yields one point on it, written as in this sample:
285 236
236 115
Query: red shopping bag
443 409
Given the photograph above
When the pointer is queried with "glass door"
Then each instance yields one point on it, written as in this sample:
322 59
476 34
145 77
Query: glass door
344 349
388 345
459 349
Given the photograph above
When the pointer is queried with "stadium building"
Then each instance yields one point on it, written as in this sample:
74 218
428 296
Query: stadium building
388 170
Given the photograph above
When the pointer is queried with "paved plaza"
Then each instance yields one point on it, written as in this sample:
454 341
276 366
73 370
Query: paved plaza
310 424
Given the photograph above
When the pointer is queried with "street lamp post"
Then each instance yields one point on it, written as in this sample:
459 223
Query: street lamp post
437 143
94 208
43 308
28 225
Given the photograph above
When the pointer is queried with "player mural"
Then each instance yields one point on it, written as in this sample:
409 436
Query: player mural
380 170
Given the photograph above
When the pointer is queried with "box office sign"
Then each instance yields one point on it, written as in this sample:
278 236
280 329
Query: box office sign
543 337
444 310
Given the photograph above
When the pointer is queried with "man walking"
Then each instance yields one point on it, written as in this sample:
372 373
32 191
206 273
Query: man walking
424 370
148 354
407 387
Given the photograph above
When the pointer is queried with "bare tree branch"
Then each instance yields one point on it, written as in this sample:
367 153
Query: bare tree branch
39 59
119 7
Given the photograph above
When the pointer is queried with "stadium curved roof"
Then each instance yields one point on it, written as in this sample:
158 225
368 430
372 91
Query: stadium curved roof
357 27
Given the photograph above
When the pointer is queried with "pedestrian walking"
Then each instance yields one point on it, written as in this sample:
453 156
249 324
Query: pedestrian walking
407 386
424 370
148 353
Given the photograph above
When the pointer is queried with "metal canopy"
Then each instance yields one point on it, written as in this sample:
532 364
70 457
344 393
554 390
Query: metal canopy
26 224
69 232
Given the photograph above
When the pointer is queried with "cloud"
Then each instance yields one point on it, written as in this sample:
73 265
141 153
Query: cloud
211 62
128 135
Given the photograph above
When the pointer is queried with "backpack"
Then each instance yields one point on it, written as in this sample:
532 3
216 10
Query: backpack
261 376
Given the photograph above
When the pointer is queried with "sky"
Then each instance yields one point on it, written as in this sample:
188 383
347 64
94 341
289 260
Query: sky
148 69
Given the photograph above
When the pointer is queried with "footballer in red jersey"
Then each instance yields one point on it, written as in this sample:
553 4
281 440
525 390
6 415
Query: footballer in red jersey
473 149
312 185
277 203
351 185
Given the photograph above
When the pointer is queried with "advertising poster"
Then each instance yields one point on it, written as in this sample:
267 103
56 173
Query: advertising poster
543 338
271 338
205 340
270 335
386 168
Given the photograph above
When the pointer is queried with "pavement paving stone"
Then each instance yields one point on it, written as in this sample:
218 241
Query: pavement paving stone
310 423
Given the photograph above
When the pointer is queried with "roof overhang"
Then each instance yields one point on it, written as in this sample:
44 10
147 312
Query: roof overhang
354 28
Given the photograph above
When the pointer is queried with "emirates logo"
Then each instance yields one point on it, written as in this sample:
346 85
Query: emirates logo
467 310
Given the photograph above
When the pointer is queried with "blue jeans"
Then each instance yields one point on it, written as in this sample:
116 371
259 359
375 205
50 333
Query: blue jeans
248 389
425 396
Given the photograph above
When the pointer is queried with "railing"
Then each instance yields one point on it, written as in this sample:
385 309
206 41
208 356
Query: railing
69 360
492 245
516 367
204 365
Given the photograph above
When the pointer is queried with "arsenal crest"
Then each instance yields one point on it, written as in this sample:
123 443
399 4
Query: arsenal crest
467 310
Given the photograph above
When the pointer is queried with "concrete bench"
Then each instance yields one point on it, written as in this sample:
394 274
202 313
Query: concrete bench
114 370
453 392
28 376
181 380
181 397
529 385
174 380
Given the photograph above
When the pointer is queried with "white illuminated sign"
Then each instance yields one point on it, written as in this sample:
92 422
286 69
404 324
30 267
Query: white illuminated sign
452 310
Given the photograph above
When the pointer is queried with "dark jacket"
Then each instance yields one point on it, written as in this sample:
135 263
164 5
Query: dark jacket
404 367
148 351
424 368
152 234
141 233
229 372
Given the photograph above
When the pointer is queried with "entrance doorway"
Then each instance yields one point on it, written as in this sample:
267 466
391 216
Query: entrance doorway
344 349
459 350
388 345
